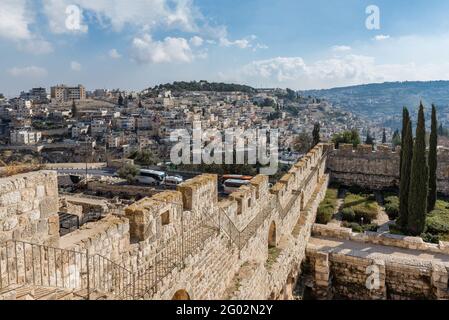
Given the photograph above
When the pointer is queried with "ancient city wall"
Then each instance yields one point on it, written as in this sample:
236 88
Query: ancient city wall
175 243
232 260
108 237
29 207
377 169
345 274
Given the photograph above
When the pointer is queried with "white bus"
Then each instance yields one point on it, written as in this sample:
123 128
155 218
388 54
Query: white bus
232 185
151 177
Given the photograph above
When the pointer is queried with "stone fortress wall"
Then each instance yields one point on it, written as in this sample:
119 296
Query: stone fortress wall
175 244
189 243
29 207
341 270
377 169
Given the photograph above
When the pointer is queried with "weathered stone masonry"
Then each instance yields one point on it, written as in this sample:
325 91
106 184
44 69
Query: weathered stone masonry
341 262
377 169
176 244
188 244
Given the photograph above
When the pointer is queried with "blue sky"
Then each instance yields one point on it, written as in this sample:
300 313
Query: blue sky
133 44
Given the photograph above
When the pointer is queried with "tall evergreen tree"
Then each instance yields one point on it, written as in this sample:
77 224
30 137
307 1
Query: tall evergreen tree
405 121
120 100
440 130
369 139
396 140
433 143
384 137
74 109
316 133
404 186
419 180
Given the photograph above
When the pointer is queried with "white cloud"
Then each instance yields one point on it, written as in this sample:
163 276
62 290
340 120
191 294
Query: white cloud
114 54
28 72
117 14
196 41
341 48
146 50
65 16
381 37
338 71
14 20
241 43
244 43
75 66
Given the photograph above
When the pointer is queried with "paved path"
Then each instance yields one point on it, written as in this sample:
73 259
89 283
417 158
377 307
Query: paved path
376 251
383 221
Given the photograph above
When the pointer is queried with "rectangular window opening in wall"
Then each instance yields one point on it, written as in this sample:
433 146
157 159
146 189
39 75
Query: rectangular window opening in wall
249 202
165 218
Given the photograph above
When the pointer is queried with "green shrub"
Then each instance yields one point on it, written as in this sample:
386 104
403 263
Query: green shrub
395 229
128 172
431 238
354 226
360 228
327 207
437 221
392 207
364 207
324 213
348 214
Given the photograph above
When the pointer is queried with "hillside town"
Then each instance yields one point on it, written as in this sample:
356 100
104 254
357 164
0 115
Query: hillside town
73 124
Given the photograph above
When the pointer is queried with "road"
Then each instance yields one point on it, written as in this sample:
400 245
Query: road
109 172
91 172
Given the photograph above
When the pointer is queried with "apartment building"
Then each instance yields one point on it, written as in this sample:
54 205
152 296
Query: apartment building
61 93
98 127
25 137
125 123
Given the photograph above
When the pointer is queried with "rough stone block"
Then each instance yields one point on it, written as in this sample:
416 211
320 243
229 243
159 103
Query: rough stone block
10 223
48 206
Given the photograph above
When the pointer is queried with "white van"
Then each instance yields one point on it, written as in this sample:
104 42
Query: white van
173 181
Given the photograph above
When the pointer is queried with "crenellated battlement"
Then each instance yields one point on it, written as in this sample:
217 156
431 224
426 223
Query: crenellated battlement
190 239
199 191
148 216
364 150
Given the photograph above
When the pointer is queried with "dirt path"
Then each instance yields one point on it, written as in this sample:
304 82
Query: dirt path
337 218
383 221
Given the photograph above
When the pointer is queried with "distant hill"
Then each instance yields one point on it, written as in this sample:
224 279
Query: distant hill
386 98
180 86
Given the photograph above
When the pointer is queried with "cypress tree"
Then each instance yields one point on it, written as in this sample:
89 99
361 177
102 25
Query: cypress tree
432 197
369 139
419 180
405 173
405 121
316 133
74 109
384 137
